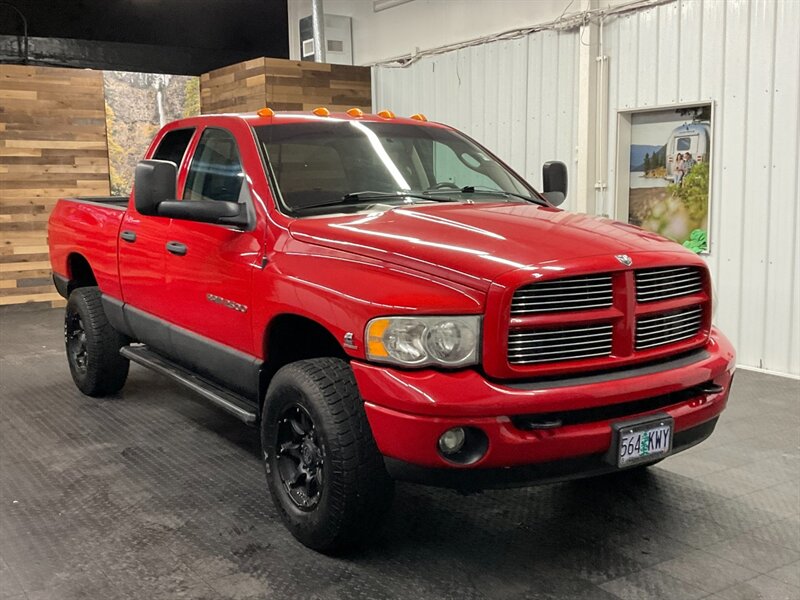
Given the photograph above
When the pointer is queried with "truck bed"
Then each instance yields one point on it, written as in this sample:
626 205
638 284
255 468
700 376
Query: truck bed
88 227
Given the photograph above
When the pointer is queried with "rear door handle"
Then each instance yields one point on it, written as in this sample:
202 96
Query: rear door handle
128 236
176 248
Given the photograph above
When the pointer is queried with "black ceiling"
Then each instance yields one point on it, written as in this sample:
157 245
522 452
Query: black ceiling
177 36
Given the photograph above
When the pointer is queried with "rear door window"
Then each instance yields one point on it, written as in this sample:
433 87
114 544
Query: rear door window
173 145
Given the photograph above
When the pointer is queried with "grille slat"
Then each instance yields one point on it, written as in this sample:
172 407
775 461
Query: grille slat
671 282
560 358
667 328
690 329
694 315
539 346
523 345
573 293
561 294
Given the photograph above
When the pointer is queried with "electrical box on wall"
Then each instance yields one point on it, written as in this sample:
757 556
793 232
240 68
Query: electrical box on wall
338 40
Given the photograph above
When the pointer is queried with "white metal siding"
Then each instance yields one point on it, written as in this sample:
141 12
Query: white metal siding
519 98
745 57
516 97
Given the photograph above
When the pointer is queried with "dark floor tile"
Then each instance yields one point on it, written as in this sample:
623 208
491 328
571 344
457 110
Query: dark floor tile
759 588
785 532
788 574
652 585
753 553
706 571
9 584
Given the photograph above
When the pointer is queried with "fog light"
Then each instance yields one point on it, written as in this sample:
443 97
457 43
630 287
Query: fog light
452 440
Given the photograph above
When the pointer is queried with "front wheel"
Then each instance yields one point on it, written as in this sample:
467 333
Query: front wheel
324 472
93 345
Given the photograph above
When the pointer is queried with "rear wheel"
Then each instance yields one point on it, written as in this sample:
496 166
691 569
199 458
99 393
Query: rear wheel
324 472
93 345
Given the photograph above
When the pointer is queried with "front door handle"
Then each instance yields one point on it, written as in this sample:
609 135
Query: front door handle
176 248
128 236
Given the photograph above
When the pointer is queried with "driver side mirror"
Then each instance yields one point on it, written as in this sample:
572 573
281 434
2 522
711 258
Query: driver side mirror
206 211
554 182
154 182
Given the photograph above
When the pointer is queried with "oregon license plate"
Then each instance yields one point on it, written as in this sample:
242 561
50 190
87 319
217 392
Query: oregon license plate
643 441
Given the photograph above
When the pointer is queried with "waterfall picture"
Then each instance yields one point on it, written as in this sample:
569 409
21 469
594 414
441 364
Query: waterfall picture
137 106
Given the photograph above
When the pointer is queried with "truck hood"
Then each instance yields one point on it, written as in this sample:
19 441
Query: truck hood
473 244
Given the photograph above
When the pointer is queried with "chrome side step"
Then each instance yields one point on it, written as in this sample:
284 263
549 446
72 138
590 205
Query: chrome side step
228 401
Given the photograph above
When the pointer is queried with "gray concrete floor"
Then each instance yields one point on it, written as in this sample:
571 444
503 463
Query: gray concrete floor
154 494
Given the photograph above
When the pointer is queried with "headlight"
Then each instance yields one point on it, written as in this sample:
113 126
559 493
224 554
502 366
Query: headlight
422 341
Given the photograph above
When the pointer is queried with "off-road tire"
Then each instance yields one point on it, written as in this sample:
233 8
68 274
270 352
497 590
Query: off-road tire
102 370
356 490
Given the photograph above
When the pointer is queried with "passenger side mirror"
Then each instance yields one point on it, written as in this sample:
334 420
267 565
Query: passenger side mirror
205 211
154 182
554 182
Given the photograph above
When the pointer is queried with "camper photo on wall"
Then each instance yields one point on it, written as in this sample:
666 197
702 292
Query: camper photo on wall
669 173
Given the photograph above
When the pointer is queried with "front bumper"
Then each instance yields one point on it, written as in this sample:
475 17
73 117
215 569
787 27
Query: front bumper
409 410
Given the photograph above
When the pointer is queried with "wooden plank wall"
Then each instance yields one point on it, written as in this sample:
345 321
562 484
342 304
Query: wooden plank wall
285 85
52 144
235 88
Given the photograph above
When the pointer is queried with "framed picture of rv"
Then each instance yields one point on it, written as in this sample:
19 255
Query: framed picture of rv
664 171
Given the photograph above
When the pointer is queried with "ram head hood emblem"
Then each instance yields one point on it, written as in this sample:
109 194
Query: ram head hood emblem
624 259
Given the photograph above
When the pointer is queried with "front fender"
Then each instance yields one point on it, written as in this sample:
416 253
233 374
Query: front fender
342 292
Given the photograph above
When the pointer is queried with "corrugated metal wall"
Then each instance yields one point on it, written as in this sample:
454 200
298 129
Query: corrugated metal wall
744 56
519 98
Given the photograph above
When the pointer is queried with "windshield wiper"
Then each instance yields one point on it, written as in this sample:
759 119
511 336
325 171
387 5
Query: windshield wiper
369 195
479 189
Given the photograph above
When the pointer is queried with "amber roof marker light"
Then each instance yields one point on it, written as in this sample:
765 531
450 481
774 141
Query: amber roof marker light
321 111
419 117
266 112
386 114
355 112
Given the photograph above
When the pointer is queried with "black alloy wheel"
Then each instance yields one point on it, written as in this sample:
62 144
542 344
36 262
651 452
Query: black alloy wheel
301 457
75 338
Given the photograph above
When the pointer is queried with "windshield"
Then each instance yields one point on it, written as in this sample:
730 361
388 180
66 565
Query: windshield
336 166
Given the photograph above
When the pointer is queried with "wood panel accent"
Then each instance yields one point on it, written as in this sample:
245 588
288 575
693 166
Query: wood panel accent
52 144
285 85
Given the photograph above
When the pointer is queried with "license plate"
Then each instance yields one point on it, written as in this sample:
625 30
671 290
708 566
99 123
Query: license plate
644 441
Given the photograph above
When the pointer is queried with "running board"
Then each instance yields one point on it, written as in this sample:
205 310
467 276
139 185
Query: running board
224 399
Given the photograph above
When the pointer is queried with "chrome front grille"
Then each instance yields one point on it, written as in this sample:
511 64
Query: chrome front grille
669 282
553 345
573 293
667 328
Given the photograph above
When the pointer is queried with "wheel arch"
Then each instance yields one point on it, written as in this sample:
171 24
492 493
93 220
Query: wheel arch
79 272
290 337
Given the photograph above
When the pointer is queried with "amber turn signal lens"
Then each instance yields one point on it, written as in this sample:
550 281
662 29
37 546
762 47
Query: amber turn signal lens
266 112
375 337
355 112
386 114
321 111
419 117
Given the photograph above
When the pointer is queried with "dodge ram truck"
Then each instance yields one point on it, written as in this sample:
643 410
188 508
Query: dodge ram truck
386 300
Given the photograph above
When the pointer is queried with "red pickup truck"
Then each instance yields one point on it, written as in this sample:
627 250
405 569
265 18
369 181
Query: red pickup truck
387 300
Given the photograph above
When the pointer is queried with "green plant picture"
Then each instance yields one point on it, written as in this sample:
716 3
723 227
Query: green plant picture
670 158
